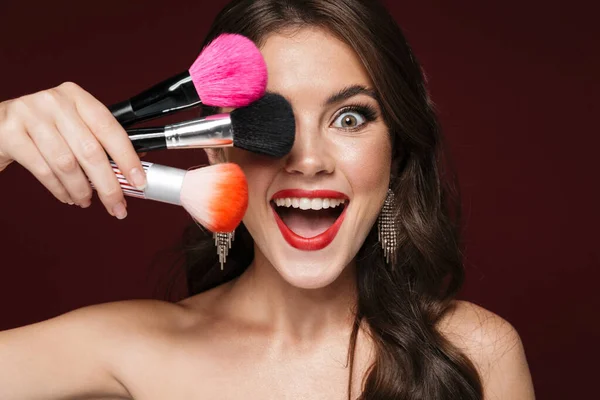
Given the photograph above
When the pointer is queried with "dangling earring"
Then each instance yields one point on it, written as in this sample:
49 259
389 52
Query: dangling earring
223 242
386 226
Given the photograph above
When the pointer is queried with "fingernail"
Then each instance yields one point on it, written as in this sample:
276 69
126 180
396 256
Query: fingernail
119 211
138 178
85 204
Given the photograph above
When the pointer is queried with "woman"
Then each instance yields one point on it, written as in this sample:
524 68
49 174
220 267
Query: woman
349 295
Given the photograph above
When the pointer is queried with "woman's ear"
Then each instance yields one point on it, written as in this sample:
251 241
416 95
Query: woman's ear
215 156
398 161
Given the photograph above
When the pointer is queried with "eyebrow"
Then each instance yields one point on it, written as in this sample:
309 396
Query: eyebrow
344 94
348 92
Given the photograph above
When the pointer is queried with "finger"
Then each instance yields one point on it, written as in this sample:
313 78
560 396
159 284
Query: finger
22 149
91 157
110 134
59 157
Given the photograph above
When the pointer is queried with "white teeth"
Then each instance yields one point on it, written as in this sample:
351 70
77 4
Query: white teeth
305 203
316 204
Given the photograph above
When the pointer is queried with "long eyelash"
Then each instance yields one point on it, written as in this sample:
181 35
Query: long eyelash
366 110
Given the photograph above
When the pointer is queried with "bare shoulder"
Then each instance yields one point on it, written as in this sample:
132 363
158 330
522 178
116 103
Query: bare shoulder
97 350
129 316
111 320
495 348
479 331
127 328
125 324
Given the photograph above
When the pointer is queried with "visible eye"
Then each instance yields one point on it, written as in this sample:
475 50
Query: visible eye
353 117
349 120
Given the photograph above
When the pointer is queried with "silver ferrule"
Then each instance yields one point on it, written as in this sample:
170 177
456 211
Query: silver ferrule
164 184
213 131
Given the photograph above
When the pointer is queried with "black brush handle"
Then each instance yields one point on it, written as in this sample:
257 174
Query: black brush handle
147 139
173 94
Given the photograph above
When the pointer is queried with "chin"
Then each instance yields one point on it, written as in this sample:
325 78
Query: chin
306 275
310 269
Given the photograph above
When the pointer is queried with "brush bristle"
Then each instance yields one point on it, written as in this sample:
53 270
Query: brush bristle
266 126
216 196
229 72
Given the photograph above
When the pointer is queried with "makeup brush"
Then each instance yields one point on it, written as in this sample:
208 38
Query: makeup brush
216 196
229 72
267 126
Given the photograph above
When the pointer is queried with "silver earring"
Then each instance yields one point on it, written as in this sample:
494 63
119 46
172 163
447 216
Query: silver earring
386 227
223 242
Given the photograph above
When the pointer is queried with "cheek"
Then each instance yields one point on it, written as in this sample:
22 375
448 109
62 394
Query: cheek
259 170
366 162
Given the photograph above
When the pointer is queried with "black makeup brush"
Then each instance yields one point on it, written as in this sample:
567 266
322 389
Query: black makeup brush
266 126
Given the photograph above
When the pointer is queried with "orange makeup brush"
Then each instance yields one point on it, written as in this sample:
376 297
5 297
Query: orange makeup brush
216 196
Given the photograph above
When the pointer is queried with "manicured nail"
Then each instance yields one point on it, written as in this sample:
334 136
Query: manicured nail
138 178
119 211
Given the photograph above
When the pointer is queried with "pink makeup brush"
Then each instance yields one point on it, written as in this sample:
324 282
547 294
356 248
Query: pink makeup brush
229 72
216 196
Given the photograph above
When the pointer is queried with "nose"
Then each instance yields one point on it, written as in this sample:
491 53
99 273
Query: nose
310 155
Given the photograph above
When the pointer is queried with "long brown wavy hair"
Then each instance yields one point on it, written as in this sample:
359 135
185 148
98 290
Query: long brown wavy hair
401 303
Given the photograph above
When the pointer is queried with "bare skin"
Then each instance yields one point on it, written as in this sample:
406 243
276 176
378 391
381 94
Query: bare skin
281 330
154 350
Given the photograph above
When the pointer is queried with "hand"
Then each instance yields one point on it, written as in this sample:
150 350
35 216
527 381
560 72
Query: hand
62 136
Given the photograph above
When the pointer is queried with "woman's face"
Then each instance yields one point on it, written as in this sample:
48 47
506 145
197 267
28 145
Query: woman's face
310 212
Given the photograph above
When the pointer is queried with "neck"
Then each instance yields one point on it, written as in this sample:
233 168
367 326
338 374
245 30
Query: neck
262 295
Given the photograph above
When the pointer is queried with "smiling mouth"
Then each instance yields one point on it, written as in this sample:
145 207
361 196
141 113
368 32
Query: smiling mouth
309 223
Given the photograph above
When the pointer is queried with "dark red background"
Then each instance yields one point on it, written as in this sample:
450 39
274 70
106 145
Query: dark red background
515 84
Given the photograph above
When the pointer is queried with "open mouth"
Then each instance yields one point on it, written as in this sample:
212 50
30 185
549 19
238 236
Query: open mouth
308 217
309 223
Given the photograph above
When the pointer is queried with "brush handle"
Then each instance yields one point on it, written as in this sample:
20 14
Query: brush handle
164 183
172 94
148 139
213 131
